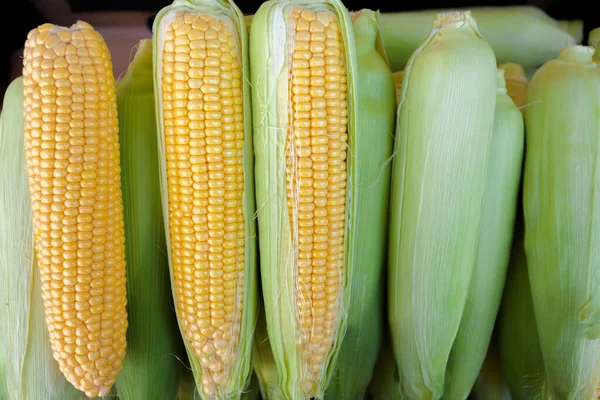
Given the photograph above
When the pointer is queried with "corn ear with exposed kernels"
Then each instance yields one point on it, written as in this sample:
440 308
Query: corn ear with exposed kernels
152 366
561 201
372 152
304 85
516 84
29 370
496 227
72 154
518 341
443 141
202 99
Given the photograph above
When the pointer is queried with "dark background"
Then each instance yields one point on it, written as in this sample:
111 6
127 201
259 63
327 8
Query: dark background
26 15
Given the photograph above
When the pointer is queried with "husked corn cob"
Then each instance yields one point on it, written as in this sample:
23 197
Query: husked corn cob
516 84
518 342
72 153
444 135
493 247
371 154
304 76
522 34
29 370
561 202
205 145
152 366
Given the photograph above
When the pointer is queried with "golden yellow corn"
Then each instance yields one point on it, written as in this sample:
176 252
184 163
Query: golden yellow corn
205 149
560 199
72 153
304 77
27 367
444 138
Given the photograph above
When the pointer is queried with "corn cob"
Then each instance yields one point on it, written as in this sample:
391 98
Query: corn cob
444 133
516 84
518 342
72 154
561 183
539 37
493 247
30 370
151 368
206 168
304 74
376 107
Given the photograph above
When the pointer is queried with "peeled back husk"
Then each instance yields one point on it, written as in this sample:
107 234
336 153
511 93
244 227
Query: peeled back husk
561 201
443 141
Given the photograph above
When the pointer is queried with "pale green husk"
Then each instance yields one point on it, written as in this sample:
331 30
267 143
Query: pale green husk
270 106
518 342
374 134
594 37
241 373
443 141
152 365
561 200
521 34
493 247
29 369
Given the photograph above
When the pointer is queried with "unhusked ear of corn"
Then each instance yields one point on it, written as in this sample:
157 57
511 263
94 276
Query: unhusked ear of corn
516 84
207 184
263 359
561 203
443 138
72 154
518 342
493 246
371 158
29 370
152 366
304 81
522 34
398 77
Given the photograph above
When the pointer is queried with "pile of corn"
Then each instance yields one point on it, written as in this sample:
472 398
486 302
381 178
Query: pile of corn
306 203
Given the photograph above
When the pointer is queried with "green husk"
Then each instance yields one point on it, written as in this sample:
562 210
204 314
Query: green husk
443 139
398 78
518 342
264 362
239 377
521 34
376 107
490 384
561 199
594 37
30 371
270 99
152 365
493 247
